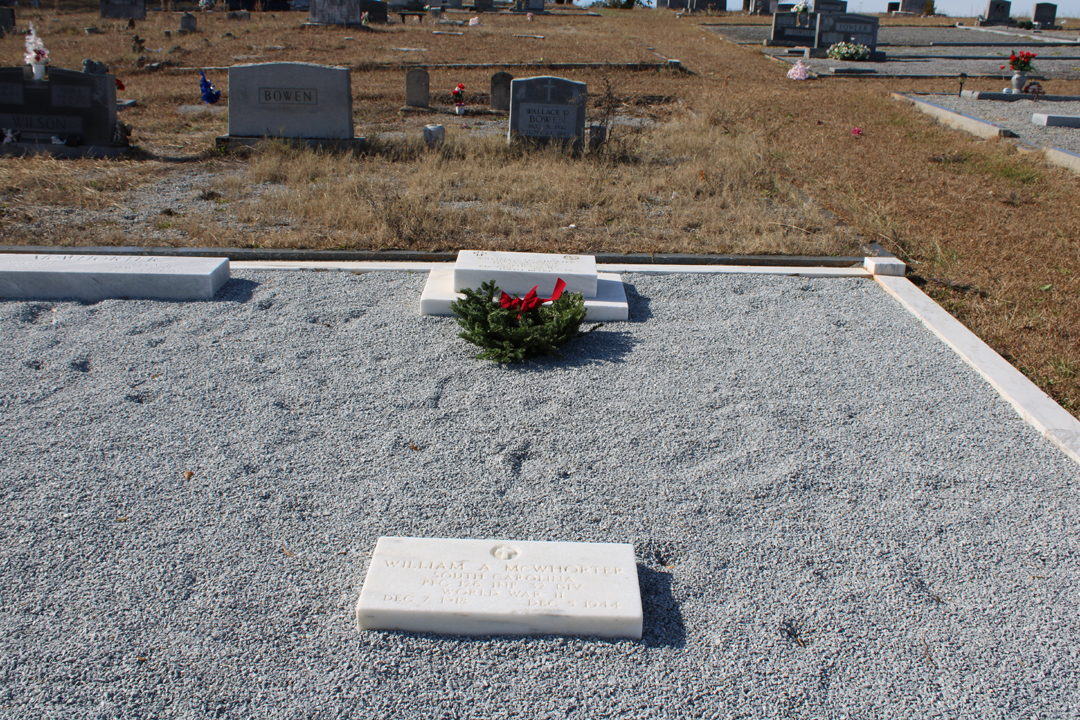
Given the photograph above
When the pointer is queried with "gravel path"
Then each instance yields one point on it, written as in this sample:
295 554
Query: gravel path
1016 116
834 517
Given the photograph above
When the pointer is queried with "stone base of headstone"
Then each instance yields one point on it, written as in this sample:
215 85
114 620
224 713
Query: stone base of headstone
20 149
99 277
517 273
229 142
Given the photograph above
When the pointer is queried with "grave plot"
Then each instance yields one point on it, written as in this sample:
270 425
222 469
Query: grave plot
813 486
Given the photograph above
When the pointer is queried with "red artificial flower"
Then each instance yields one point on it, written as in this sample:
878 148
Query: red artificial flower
857 132
119 85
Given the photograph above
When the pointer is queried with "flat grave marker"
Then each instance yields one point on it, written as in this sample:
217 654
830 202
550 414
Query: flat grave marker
290 100
501 587
548 109
99 277
1048 120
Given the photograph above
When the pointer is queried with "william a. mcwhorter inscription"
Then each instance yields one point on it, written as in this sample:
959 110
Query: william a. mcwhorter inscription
501 587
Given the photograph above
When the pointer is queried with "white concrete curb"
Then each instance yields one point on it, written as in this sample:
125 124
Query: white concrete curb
1036 407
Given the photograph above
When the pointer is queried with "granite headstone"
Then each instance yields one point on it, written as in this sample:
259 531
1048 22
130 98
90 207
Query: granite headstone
997 13
794 28
1045 15
346 12
123 9
830 6
417 91
500 90
846 27
75 107
548 109
7 19
290 100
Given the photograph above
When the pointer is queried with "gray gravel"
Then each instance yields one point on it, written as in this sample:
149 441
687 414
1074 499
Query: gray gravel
1016 116
834 516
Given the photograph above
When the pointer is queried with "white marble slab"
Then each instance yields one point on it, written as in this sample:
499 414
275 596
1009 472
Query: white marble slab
518 273
885 266
98 277
608 304
501 587
1056 120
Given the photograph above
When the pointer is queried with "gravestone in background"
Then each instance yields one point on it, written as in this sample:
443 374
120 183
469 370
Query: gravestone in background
892 7
830 6
454 4
1045 14
548 109
188 24
417 88
483 5
76 107
997 13
534 6
290 100
703 5
918 7
7 19
793 29
845 27
346 12
500 90
123 9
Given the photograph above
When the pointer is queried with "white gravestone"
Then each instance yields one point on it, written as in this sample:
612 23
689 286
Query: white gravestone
501 587
548 109
290 100
98 277
518 273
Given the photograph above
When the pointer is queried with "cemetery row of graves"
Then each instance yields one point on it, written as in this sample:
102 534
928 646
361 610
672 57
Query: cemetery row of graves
689 139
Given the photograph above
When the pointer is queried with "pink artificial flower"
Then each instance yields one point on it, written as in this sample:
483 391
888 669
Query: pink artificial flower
857 132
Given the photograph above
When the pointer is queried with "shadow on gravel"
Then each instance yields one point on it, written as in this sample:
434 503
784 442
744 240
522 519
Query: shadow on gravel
638 304
663 622
236 290
593 348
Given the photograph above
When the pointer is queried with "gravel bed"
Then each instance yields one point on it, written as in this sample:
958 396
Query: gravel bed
1016 116
834 516
893 36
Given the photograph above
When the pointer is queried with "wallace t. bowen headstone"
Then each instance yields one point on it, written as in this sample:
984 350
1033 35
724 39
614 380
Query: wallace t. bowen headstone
548 109
501 587
98 277
290 100
123 9
75 108
500 90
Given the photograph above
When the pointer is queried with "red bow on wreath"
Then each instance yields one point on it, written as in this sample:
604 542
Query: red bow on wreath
531 301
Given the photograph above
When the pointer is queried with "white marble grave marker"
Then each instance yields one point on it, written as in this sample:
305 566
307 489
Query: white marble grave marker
517 273
501 587
98 277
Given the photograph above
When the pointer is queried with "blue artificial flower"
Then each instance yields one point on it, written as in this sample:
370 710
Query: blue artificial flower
209 94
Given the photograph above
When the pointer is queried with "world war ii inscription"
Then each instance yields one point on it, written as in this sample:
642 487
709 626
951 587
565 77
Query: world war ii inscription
477 587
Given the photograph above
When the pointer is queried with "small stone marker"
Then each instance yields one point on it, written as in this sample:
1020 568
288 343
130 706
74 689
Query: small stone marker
1056 120
501 587
188 24
98 277
123 9
500 90
548 109
417 92
78 108
290 100
434 135
517 273
1045 15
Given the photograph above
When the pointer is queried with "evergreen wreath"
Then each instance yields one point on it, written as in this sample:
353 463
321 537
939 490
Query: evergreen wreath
512 330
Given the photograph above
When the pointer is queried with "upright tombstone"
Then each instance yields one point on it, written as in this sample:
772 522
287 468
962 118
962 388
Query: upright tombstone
548 109
290 100
916 7
77 109
123 9
845 27
7 20
417 92
797 29
483 5
453 4
830 6
704 5
188 24
892 7
500 90
534 6
346 12
997 13
1045 15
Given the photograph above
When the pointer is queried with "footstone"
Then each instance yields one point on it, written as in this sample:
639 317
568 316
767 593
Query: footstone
98 277
1056 120
501 587
518 273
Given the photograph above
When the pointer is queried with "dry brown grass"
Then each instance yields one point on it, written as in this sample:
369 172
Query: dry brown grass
733 159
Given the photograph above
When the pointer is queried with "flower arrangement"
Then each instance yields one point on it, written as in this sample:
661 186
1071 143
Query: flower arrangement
802 7
1021 63
514 329
210 95
458 94
36 54
849 51
798 71
365 19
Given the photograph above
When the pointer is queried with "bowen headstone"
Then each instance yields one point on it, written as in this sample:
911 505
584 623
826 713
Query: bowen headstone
500 90
844 27
77 108
123 9
501 587
347 12
417 92
548 109
98 277
290 100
